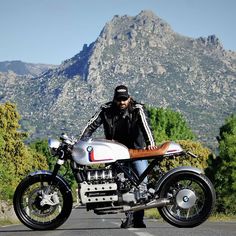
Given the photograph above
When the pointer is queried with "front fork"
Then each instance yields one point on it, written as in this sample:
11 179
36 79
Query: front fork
57 166
49 198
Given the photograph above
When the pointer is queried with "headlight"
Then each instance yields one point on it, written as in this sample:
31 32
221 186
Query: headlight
53 144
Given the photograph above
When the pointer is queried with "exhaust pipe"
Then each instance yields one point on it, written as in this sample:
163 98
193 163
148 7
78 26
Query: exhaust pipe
153 204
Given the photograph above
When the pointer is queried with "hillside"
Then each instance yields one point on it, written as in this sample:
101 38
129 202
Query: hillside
195 76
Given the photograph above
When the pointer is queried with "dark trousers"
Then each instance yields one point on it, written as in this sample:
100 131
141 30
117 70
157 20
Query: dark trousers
138 216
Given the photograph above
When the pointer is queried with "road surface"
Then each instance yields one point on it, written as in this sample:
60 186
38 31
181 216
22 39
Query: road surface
83 223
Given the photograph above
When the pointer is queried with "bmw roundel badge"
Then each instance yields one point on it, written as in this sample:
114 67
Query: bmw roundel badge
89 148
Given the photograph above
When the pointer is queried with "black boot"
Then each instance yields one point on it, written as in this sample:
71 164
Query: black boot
128 223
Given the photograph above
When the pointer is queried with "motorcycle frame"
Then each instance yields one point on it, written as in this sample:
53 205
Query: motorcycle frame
162 176
136 181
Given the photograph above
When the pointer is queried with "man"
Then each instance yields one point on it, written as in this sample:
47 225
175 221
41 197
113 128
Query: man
124 121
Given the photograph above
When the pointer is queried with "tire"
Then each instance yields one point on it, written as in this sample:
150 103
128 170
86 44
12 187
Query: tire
28 205
192 199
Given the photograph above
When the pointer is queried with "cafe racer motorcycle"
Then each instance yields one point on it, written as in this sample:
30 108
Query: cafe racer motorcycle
184 196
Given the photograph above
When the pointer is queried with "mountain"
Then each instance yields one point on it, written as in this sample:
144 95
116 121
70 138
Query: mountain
162 68
23 68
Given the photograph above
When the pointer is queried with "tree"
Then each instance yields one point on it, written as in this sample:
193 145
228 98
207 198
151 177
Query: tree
41 146
17 159
169 125
222 169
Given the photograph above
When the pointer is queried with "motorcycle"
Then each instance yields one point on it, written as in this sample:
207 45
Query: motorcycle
184 196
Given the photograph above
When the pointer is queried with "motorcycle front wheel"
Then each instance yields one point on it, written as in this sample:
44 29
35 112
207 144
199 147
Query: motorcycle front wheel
192 199
40 204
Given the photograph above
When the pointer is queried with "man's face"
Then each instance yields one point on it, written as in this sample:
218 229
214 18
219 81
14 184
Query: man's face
122 103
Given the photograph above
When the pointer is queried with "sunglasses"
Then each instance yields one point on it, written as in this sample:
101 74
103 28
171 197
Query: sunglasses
121 99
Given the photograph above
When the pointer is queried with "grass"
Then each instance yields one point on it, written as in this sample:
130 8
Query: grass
8 222
221 217
152 214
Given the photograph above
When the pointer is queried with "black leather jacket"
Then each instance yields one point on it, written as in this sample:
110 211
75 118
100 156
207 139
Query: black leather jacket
129 127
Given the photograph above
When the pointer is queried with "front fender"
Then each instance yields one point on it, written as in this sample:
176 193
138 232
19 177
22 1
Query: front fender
49 173
185 169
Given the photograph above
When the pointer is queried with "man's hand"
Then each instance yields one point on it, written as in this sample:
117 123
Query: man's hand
149 147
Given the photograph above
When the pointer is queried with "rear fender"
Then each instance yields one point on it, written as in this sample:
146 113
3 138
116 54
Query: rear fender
184 169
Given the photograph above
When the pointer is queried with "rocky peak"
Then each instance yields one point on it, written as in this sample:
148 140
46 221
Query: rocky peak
151 22
145 21
211 41
122 33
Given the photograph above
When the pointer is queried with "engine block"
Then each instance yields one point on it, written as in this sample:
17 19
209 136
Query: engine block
95 193
105 186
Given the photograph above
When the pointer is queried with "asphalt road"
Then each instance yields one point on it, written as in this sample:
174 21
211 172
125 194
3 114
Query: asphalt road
82 223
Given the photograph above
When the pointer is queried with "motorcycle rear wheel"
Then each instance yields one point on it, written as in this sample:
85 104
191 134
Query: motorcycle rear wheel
31 210
192 199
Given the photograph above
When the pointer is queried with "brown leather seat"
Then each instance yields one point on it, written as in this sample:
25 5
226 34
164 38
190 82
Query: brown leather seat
140 153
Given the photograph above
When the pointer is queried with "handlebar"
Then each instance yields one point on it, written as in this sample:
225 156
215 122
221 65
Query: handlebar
64 138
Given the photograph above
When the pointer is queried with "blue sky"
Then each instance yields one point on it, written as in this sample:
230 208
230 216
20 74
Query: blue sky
51 31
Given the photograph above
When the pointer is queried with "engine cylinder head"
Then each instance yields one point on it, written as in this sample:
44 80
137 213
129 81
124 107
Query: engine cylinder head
96 175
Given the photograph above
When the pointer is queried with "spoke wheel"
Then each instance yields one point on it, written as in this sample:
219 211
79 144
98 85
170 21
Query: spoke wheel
192 199
40 205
